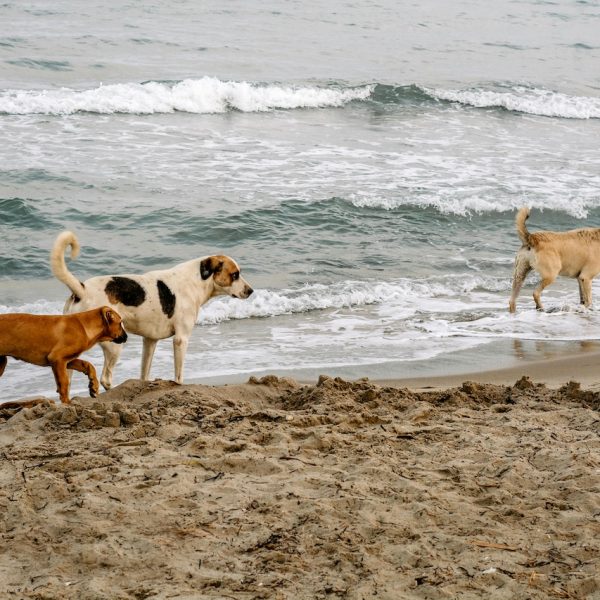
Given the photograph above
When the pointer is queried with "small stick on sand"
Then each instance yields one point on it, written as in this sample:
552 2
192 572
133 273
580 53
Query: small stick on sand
484 544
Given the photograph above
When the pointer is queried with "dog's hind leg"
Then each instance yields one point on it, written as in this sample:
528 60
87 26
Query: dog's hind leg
537 294
147 355
522 268
111 356
3 361
83 366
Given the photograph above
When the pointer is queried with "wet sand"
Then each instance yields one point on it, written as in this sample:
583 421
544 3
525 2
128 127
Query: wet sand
583 367
276 489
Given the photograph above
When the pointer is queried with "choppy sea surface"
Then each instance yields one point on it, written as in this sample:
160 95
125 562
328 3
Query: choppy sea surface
361 161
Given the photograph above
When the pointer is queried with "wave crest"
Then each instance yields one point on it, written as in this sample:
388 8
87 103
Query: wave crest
211 95
205 95
533 101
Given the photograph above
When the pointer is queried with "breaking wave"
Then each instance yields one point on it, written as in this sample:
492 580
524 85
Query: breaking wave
346 294
533 101
211 95
205 95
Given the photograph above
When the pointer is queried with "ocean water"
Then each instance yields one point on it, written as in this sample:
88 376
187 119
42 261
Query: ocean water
361 161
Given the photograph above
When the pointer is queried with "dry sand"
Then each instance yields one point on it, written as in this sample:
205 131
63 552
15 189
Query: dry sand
273 489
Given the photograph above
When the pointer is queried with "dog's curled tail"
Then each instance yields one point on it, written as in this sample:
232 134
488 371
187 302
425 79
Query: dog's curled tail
58 265
524 234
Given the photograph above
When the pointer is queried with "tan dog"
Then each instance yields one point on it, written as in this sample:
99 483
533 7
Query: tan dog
574 253
56 341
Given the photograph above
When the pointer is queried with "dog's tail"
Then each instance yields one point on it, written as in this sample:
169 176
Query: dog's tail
58 265
524 234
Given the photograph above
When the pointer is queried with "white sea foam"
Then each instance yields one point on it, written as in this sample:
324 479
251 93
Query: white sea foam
40 307
460 306
533 101
269 303
205 95
558 197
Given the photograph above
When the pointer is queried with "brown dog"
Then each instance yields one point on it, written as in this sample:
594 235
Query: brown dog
574 253
57 340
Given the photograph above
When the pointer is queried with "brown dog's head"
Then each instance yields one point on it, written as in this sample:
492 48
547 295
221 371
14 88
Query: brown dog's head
226 276
113 326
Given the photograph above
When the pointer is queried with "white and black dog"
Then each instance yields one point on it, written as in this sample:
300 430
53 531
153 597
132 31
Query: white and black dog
155 305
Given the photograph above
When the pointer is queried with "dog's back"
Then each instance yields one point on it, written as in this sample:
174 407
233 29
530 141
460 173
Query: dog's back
586 236
20 336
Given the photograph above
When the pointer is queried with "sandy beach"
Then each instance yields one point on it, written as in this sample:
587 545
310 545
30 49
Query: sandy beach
333 489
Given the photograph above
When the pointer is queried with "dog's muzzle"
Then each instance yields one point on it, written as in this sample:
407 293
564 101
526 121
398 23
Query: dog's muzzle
246 293
121 339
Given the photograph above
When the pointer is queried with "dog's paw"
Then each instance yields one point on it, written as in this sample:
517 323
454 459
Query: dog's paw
94 389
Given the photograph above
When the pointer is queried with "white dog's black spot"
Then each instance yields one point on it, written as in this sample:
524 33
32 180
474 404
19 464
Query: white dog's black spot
125 291
210 266
166 297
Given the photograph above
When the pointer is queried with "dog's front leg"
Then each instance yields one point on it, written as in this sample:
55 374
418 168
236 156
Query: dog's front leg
147 355
59 368
180 344
83 366
111 356
585 291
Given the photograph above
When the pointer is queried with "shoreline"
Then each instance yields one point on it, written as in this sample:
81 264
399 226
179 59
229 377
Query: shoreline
501 362
583 368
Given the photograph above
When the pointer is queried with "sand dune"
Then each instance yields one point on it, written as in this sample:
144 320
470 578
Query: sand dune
273 489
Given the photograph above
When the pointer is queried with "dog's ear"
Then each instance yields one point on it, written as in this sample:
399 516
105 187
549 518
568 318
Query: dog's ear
209 266
108 315
206 268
